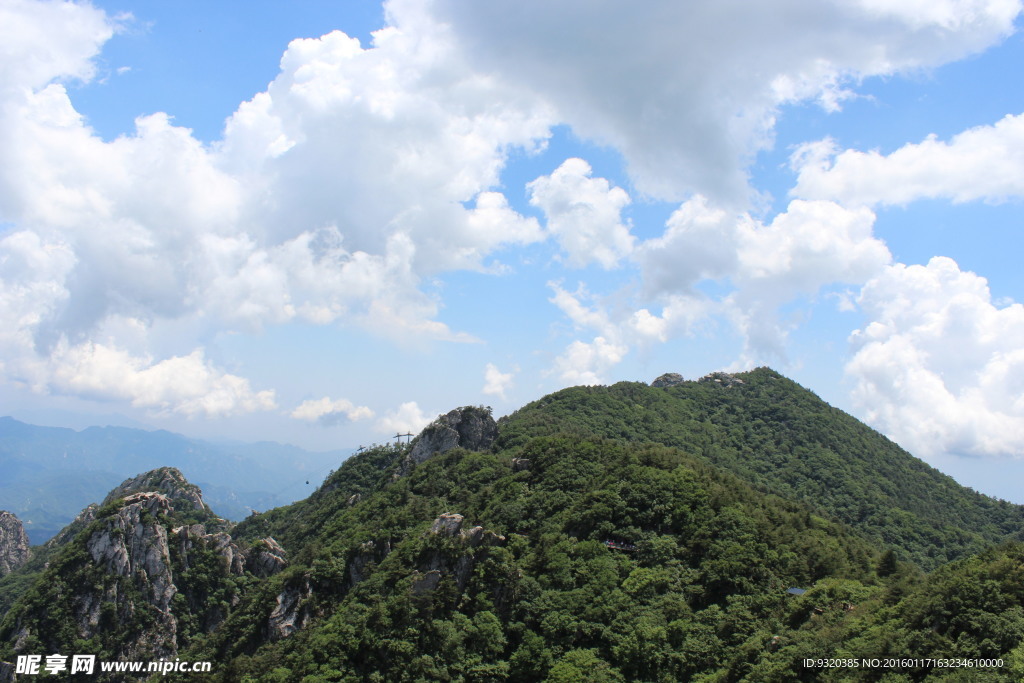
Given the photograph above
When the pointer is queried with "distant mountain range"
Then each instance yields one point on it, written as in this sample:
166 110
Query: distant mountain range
48 474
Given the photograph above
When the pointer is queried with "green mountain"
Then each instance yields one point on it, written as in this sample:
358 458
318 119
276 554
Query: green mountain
783 439
721 530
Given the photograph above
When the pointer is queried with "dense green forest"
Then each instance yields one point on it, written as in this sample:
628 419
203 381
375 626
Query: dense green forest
708 531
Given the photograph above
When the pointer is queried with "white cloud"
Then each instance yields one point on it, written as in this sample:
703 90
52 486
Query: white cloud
188 385
387 140
586 363
333 194
496 381
584 214
407 418
60 37
986 162
619 328
688 92
939 367
362 172
759 267
762 266
330 412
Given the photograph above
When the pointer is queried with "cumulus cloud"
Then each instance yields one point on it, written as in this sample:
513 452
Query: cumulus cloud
334 193
938 366
811 245
584 214
33 288
188 385
363 171
689 92
496 381
986 162
329 412
407 418
758 267
61 37
587 362
618 328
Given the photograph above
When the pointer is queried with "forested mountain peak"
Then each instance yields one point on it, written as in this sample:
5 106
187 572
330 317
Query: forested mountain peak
783 438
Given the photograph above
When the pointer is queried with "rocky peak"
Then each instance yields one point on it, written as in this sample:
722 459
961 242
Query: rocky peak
669 379
168 481
14 550
470 427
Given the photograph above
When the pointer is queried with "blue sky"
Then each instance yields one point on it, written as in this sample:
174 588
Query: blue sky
233 220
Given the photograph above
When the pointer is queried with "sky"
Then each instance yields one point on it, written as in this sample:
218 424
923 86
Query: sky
323 223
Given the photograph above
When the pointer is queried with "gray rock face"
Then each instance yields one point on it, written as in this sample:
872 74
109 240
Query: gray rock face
134 543
266 558
723 379
669 379
290 613
447 524
469 427
14 550
221 543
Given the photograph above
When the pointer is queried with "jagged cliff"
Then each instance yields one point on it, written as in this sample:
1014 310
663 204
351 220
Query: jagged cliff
14 550
142 574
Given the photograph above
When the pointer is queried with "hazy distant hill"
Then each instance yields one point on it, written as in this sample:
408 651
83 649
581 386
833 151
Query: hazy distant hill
48 474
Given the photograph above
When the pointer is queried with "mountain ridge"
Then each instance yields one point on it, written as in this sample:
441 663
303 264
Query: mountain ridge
575 546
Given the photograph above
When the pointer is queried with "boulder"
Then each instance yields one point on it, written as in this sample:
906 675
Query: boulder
669 379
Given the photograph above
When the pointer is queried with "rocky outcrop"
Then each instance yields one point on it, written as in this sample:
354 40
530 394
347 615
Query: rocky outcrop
133 543
470 427
458 562
142 544
291 611
190 536
669 379
14 550
168 481
723 379
265 558
520 464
